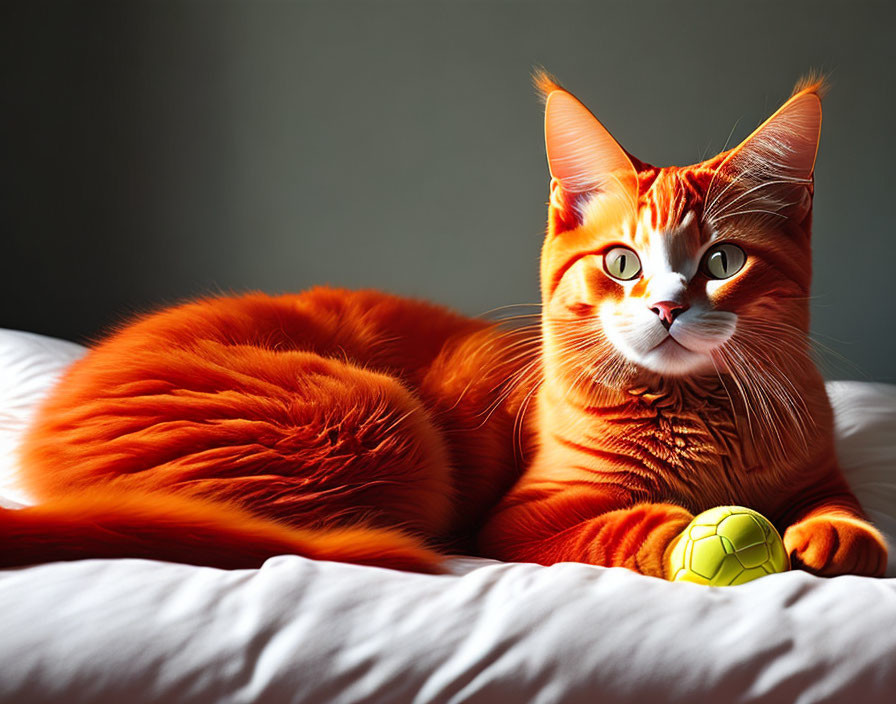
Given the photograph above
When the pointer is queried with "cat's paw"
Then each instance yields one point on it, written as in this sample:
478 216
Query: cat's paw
835 545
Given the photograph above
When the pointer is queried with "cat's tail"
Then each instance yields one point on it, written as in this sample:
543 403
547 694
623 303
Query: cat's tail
192 531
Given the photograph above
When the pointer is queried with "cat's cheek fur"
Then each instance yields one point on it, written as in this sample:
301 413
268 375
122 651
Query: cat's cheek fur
631 331
702 330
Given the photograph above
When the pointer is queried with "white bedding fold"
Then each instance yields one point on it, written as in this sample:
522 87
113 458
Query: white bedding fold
136 631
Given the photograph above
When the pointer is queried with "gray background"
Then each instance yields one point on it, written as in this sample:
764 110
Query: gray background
154 151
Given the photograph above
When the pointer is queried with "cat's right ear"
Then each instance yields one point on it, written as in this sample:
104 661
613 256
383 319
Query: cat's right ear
582 154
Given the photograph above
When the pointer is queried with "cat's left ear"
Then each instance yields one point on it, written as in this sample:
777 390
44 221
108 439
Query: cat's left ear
776 162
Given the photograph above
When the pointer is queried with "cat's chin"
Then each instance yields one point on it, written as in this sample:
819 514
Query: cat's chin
671 358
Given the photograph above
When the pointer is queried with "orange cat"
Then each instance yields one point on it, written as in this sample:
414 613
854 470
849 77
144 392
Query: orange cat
670 374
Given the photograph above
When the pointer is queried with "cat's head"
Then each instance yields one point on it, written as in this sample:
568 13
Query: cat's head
677 271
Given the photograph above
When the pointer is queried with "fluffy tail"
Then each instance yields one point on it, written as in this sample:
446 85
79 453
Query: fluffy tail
196 532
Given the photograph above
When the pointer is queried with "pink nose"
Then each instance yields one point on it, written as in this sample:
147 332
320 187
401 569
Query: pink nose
668 311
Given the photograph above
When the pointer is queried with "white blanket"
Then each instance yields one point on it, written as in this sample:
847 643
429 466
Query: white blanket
132 631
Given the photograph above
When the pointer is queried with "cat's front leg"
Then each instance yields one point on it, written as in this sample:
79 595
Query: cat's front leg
830 535
583 526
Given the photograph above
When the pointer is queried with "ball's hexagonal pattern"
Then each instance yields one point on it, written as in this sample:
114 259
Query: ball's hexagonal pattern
728 545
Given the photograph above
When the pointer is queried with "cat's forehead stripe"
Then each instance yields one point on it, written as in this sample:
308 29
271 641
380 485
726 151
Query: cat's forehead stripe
669 222
671 194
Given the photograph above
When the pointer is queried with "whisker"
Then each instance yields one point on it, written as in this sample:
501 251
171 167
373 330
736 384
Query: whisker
489 312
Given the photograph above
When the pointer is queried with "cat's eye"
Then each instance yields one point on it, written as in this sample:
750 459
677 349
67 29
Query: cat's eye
724 260
622 263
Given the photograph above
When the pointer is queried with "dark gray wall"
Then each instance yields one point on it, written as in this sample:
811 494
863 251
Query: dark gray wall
153 151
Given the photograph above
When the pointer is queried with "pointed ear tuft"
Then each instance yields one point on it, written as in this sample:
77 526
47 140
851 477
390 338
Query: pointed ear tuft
582 154
813 82
544 83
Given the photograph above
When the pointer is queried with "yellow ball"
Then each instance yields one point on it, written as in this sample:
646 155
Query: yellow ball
727 545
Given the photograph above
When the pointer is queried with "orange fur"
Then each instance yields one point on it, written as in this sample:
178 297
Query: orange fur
368 428
179 529
225 430
627 455
813 82
544 83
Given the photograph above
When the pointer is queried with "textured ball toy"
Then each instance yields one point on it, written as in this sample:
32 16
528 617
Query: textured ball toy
727 545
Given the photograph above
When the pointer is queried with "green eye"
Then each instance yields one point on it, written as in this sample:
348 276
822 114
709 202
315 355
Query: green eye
622 263
724 260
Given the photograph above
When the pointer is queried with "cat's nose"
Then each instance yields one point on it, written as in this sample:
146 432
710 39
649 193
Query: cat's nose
668 311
